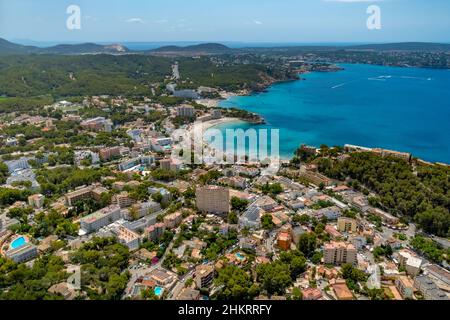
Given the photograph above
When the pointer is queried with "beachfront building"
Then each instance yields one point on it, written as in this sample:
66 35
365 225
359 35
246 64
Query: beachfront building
216 114
186 111
161 144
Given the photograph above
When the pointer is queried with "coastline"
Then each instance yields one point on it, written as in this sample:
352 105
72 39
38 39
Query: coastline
273 83
216 122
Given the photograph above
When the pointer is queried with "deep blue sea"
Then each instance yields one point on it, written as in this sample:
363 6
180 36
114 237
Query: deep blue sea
403 109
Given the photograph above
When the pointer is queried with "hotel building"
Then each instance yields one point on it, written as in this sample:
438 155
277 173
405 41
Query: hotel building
99 219
36 201
94 191
186 111
23 253
108 153
338 253
346 225
129 238
204 276
213 199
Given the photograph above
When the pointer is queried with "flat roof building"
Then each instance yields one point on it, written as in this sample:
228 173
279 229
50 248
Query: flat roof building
341 291
127 237
23 253
429 289
204 276
173 220
93 191
99 219
405 286
338 253
123 200
186 111
36 201
345 224
213 199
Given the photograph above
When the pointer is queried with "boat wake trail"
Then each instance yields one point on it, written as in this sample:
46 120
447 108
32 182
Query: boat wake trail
343 84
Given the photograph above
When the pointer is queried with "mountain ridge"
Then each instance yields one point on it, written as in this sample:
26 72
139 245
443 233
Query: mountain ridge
10 48
7 47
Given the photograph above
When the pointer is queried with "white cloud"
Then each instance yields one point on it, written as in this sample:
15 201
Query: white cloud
257 22
134 20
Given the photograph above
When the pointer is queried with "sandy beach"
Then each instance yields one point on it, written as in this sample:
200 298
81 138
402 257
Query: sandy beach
198 129
212 123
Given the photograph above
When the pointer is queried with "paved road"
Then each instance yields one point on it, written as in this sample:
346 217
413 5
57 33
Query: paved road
180 285
137 273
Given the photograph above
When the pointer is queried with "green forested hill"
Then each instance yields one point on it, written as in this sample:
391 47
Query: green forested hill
24 76
61 76
423 194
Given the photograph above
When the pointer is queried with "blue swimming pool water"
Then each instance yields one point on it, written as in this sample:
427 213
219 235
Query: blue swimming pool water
158 291
17 243
240 256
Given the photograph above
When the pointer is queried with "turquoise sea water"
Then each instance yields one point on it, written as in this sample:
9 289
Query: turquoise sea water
403 109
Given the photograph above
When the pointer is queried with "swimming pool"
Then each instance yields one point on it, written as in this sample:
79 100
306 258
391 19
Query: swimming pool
18 242
240 256
158 291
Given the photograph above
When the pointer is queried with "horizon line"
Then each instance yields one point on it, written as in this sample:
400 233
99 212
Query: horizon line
15 40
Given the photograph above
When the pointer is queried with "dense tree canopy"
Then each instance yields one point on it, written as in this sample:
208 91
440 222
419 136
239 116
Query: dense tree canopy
103 263
423 195
237 284
19 282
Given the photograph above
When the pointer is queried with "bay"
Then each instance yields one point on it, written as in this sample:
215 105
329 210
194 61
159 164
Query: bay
403 109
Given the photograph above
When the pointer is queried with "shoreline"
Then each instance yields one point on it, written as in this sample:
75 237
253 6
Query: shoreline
287 157
216 122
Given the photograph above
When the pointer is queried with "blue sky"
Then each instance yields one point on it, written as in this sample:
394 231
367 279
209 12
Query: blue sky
226 20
